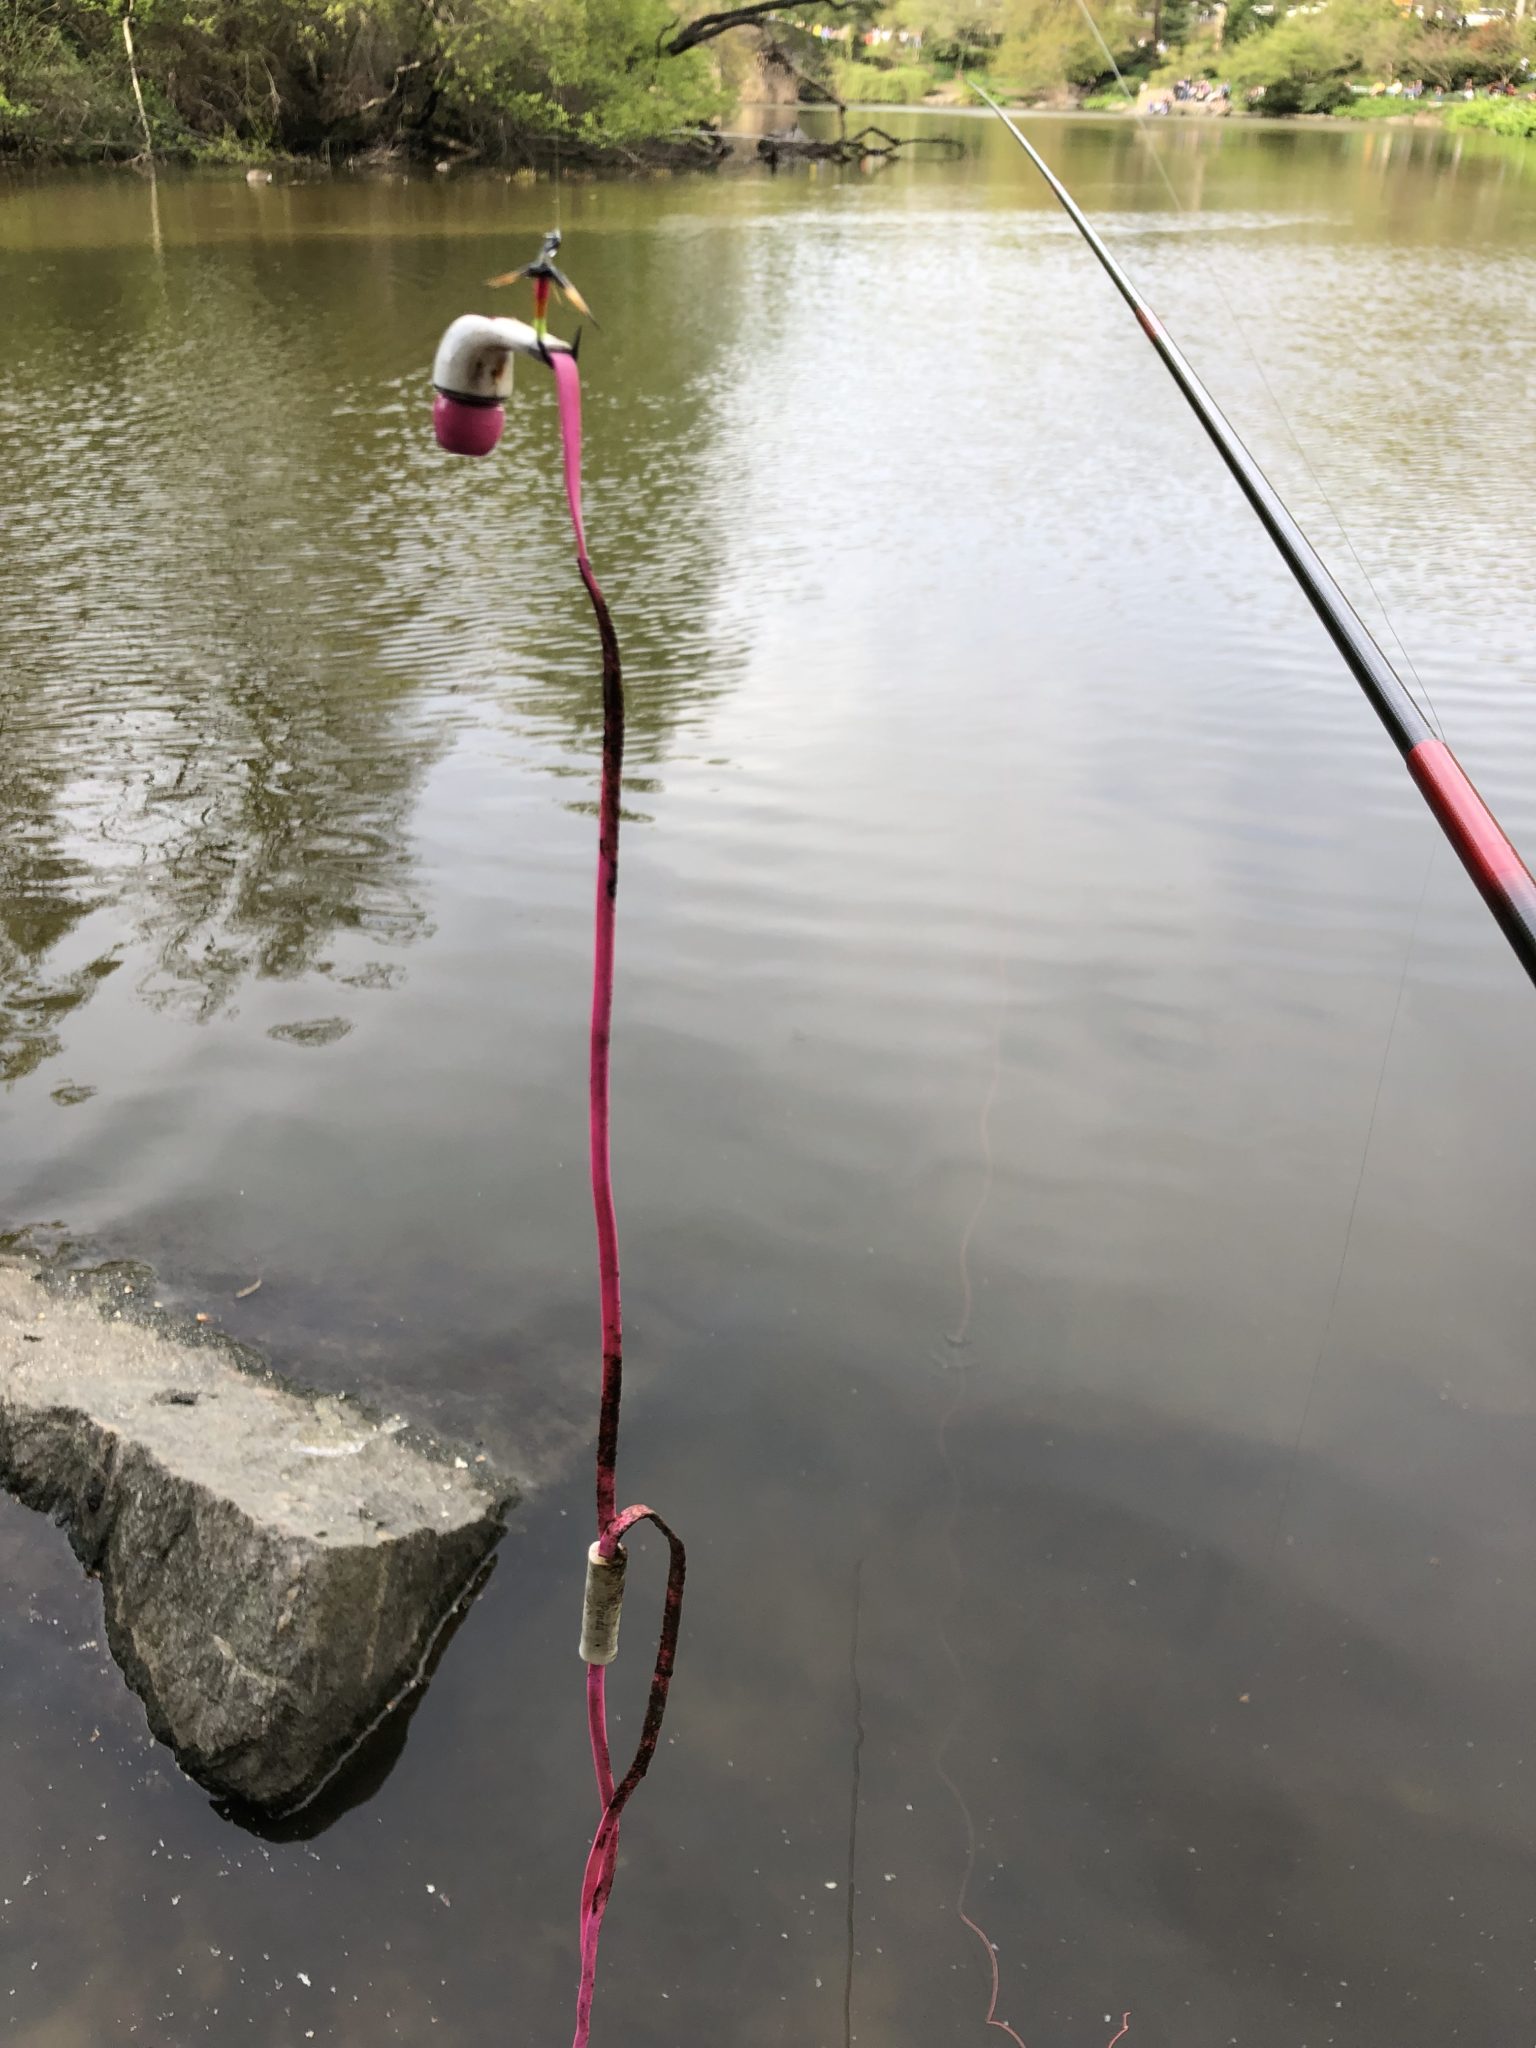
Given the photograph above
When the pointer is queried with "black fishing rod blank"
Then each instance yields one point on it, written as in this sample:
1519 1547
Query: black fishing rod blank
1502 877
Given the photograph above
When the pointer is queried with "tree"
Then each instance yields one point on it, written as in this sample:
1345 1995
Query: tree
954 31
1305 61
240 76
1049 42
1171 21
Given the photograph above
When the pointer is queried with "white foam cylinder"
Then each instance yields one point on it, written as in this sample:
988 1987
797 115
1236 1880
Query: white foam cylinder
474 357
600 1608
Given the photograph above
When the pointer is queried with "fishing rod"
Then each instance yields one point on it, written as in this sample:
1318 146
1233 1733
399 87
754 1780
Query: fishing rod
1502 877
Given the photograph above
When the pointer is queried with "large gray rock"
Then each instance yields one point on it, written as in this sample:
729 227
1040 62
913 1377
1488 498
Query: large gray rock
276 1565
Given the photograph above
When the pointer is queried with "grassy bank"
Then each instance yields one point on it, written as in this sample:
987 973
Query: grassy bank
1500 116
1369 107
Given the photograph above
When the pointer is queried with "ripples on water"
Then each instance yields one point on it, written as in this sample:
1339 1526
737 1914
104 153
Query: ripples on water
972 722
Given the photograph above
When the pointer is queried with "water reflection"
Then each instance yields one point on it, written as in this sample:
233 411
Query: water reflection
41 907
250 600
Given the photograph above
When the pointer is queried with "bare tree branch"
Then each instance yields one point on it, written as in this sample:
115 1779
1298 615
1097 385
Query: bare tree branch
874 144
706 27
383 98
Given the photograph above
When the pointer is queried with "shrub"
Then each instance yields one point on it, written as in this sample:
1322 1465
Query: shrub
1305 62
1377 107
1496 117
871 84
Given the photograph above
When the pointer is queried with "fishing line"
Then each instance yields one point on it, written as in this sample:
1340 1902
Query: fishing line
962 1897
854 1795
1349 1227
1240 328
1280 1608
957 1578
958 1339
959 1335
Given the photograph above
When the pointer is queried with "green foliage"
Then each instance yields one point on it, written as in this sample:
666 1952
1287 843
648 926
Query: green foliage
499 79
1177 19
1305 62
1296 56
1201 56
1377 107
956 32
244 77
1047 43
1296 95
1495 117
48 86
587 69
873 84
1243 19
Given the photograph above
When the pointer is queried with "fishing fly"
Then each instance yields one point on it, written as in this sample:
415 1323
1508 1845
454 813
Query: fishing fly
544 276
472 379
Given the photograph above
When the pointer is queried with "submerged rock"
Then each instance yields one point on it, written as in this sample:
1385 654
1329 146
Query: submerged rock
276 1565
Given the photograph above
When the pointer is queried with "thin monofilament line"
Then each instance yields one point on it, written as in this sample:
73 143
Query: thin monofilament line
854 1795
1354 1208
1431 715
962 1896
968 1870
960 1333
957 1338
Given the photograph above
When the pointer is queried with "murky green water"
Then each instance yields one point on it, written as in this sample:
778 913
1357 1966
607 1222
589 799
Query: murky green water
1006 848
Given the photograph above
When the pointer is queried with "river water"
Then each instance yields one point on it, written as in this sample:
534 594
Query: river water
1027 938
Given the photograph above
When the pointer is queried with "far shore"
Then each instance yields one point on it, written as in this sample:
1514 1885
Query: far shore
676 154
1417 116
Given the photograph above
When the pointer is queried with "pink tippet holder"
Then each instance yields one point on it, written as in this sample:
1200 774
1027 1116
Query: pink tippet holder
612 1523
466 428
468 417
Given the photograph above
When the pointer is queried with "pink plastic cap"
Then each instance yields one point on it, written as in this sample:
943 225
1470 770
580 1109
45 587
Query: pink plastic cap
466 429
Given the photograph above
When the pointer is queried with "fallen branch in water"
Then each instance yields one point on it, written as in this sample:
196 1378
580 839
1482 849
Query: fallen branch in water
869 143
